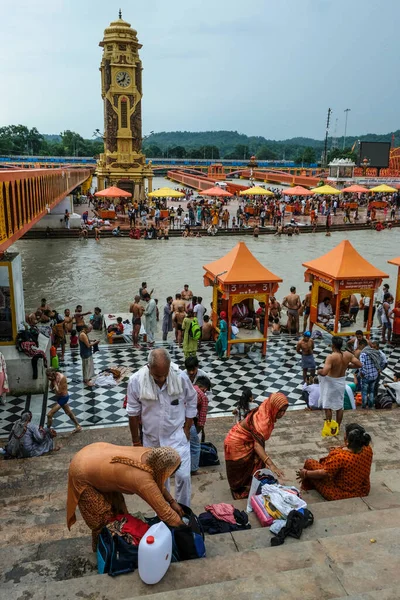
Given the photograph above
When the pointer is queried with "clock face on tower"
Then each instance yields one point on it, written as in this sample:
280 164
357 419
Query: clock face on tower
123 79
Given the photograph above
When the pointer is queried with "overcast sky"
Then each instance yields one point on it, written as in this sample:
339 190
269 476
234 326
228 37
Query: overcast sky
261 67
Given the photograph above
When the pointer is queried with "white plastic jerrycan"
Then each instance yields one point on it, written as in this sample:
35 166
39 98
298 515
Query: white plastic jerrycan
155 553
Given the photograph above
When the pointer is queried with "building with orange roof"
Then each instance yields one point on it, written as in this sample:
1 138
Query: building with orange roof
337 275
238 278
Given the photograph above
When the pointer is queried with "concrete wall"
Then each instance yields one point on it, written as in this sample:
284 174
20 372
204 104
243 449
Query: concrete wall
19 370
55 221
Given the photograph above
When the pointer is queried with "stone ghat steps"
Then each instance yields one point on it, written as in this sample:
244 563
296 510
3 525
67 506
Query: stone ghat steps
40 558
337 566
51 552
74 233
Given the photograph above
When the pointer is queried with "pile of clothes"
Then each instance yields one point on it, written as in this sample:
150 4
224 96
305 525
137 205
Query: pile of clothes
223 518
283 510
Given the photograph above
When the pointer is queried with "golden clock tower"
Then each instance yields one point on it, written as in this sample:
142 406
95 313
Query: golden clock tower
122 164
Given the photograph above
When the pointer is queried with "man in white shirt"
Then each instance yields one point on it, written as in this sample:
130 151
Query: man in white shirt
325 312
395 386
312 389
164 399
199 311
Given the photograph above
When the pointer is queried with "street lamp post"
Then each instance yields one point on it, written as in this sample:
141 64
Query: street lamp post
346 110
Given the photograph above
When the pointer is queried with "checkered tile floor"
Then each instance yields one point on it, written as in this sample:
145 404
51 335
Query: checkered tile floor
102 407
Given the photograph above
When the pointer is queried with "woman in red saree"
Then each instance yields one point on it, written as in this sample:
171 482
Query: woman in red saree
244 444
396 324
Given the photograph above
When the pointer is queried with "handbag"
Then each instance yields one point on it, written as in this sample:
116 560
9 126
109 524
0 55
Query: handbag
330 429
259 478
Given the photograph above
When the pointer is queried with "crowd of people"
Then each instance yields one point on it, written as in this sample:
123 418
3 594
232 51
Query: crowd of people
167 405
153 219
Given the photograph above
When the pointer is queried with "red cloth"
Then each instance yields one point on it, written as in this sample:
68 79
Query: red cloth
222 511
135 527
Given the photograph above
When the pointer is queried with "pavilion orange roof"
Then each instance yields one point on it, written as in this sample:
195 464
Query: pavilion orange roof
344 262
240 266
395 261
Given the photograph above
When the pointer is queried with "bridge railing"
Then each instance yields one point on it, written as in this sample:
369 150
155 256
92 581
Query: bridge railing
26 196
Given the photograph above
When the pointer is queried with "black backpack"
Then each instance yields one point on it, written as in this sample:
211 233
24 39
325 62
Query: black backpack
208 455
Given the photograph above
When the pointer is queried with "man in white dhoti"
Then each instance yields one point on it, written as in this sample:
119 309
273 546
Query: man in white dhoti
333 379
162 397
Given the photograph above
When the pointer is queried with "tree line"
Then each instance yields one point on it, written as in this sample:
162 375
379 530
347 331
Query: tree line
214 145
18 140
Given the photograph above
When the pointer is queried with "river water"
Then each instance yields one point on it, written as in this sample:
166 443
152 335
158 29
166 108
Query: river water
109 273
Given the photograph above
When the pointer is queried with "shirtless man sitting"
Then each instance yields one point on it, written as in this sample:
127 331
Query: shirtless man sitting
333 379
293 303
137 310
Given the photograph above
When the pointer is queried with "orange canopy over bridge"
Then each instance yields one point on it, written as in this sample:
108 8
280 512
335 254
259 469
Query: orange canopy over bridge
238 278
338 275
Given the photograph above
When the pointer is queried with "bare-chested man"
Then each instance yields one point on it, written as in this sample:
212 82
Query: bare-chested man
333 379
59 385
178 302
292 302
177 320
137 310
306 308
274 311
68 320
79 317
305 347
186 293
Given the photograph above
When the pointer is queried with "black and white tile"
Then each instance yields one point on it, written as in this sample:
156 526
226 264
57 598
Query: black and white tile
103 407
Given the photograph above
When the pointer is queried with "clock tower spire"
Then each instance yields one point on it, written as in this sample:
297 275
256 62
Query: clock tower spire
122 163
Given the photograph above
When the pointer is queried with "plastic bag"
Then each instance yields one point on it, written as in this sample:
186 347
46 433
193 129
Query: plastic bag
256 484
283 499
330 429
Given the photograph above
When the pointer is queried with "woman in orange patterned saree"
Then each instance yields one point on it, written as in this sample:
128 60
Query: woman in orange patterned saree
345 472
244 444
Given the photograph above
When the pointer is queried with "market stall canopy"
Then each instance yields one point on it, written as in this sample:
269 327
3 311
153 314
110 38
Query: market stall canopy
216 191
356 189
325 189
113 192
256 191
297 191
166 192
344 262
240 266
383 188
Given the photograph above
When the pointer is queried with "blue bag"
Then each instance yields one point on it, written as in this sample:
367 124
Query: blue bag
114 555
208 455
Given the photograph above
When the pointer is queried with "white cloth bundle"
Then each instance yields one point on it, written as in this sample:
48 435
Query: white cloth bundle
284 500
148 389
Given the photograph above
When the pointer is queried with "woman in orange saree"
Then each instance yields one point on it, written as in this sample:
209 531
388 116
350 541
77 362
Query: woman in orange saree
245 442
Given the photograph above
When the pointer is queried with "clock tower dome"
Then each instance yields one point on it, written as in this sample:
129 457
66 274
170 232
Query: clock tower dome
122 164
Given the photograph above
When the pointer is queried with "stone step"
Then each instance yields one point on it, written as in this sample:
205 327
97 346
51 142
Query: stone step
326 569
40 545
